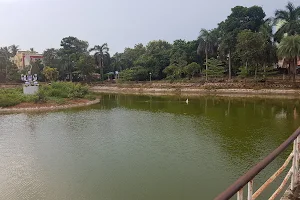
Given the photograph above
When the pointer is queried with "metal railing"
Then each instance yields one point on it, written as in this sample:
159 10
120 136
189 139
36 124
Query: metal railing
238 186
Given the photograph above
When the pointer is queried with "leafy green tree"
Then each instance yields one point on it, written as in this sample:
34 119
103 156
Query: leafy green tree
215 68
51 57
191 69
134 74
86 67
116 62
51 74
269 50
71 50
289 48
13 73
241 18
243 73
37 68
4 63
156 58
191 52
72 45
290 20
207 44
101 54
178 53
250 47
131 55
173 72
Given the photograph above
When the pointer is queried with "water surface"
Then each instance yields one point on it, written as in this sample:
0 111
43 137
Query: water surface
140 147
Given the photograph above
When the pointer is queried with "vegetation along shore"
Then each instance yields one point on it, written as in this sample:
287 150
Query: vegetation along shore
247 53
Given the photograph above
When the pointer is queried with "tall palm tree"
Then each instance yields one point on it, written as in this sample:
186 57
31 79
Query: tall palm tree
101 52
289 48
290 20
32 50
207 44
13 49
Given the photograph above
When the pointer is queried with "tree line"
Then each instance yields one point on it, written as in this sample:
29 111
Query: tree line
244 44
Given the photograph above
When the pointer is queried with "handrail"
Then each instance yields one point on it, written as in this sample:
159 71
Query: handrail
243 180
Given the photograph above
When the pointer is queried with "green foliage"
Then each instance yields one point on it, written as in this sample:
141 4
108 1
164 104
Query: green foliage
250 46
192 69
289 48
12 97
62 90
90 97
101 56
243 73
51 74
173 72
288 20
86 66
134 74
215 68
245 37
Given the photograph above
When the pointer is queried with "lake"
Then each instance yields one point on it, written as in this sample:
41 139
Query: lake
142 147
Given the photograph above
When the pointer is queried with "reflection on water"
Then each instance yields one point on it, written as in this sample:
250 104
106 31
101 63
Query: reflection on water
140 147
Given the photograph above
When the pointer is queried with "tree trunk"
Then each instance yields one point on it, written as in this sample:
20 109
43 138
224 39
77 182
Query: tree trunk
206 67
229 65
294 70
101 67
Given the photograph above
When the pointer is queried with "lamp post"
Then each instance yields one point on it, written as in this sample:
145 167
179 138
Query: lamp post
150 76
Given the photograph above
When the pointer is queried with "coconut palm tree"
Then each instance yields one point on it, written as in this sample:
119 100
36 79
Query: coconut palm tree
289 20
289 48
207 44
101 52
13 49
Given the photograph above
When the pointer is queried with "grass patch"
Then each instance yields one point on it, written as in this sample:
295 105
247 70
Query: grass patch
58 92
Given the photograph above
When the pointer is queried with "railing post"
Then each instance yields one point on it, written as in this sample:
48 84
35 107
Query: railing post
240 194
297 161
250 190
294 164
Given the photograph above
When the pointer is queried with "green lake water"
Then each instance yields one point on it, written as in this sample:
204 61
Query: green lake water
140 147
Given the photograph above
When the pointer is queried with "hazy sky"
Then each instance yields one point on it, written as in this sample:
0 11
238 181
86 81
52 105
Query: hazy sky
42 24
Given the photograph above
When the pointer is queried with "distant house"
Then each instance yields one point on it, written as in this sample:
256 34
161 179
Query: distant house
23 58
286 64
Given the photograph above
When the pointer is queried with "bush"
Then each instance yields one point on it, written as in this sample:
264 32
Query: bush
63 90
134 74
12 97
57 92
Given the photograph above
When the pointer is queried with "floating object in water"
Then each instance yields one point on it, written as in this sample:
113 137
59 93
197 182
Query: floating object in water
187 101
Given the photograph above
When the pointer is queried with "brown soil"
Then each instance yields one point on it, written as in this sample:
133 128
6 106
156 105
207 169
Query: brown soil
48 104
28 107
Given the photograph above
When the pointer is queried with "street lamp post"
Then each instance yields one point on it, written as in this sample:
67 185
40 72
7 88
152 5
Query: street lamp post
150 76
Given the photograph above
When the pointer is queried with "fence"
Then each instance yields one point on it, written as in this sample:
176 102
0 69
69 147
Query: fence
248 178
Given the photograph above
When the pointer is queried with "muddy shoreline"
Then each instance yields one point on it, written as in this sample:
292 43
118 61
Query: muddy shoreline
46 107
194 91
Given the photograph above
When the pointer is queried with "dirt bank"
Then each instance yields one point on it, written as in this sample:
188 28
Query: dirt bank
37 107
194 90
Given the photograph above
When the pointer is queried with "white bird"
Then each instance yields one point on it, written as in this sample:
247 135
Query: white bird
187 101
